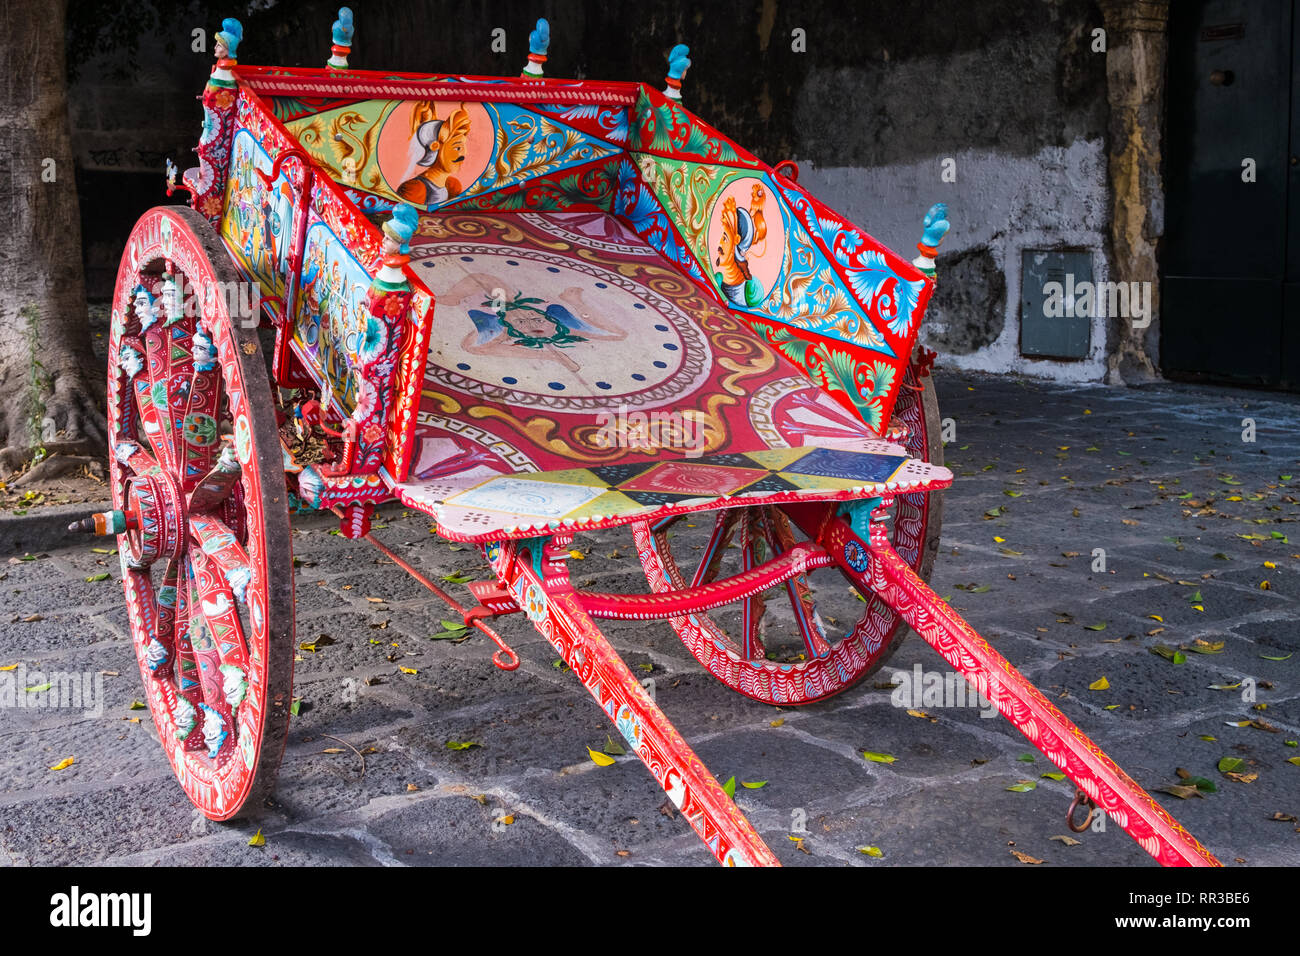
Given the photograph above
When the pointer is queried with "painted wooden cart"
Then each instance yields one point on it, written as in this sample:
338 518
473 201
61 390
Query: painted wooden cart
530 308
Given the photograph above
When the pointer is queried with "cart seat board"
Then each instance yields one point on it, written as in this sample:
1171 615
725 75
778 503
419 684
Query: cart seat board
574 375
532 503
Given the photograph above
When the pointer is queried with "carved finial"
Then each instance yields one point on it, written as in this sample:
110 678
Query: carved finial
935 228
679 61
225 47
342 35
397 244
538 41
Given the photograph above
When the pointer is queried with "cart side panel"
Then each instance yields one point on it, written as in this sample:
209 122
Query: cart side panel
441 153
257 224
842 306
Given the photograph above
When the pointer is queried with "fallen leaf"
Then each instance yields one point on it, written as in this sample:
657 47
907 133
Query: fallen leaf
465 745
1229 764
408 670
1095 627
1269 657
878 758
754 785
257 839
777 723
922 714
136 705
1242 777
64 764
1168 653
1181 791
9 667
1054 775
1023 786
1283 817
411 788
600 759
729 788
1100 684
874 851
1067 840
333 750
102 576
1025 857
613 748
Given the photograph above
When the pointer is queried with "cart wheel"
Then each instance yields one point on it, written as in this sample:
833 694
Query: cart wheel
201 512
816 635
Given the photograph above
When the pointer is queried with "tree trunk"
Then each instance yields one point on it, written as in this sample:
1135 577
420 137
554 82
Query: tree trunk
51 384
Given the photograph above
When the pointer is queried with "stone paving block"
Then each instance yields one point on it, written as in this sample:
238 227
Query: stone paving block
458 831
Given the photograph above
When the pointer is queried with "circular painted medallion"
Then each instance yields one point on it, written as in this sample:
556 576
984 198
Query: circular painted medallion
535 329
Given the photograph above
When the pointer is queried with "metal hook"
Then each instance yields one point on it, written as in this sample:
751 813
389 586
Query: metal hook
1080 797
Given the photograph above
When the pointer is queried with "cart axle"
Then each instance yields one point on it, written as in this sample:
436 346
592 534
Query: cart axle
105 523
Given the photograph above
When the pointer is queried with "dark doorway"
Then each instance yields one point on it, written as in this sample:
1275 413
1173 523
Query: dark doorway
1230 262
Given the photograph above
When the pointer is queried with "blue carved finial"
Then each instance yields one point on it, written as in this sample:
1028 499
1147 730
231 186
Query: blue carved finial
935 227
540 38
343 28
401 227
231 32
679 61
538 42
341 33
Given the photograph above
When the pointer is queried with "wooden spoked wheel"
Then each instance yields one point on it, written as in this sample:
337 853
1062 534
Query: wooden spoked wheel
817 634
199 495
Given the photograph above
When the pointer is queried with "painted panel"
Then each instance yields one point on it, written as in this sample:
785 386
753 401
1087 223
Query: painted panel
331 323
258 223
431 153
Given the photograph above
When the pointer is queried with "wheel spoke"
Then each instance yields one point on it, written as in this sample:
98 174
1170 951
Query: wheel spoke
752 611
136 457
723 525
218 483
780 538
153 419
189 694
217 638
199 429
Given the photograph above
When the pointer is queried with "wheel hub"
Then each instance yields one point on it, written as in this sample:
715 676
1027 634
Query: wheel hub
158 507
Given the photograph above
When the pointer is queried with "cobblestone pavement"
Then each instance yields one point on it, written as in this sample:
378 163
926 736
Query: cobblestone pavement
1193 521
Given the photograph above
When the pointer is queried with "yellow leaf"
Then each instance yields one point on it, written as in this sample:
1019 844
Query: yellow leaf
871 851
408 670
600 759
997 540
9 667
258 839
1198 607
778 722
1270 565
1156 617
508 820
64 764
1099 684
577 555
1265 586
